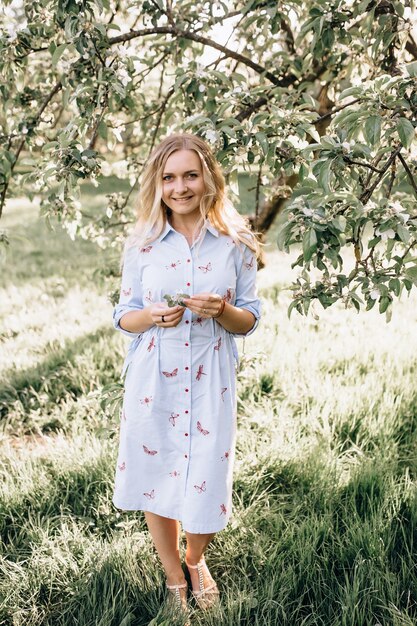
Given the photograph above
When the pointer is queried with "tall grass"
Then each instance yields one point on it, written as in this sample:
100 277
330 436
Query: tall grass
324 531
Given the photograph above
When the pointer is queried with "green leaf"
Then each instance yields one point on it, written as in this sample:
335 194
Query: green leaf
339 222
58 53
384 303
324 175
404 233
406 131
372 129
263 141
411 273
309 243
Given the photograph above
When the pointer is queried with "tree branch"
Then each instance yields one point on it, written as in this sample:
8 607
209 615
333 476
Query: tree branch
409 173
181 34
34 121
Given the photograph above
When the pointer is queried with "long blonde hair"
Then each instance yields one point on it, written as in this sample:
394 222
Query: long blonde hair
215 206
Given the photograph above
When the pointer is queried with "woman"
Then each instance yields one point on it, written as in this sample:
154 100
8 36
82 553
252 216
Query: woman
193 250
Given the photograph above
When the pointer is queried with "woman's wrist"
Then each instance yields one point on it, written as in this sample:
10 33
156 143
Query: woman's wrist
221 310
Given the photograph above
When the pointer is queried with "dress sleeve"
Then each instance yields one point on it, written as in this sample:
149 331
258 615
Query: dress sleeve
246 292
131 290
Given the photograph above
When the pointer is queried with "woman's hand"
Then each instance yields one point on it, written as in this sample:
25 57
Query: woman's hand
205 304
165 316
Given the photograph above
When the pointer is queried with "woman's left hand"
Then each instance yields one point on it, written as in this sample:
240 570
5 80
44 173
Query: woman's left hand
204 304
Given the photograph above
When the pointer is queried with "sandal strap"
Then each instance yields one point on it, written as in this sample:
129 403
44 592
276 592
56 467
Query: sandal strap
199 564
212 589
182 586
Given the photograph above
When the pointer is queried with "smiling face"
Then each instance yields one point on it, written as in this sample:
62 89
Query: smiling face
182 183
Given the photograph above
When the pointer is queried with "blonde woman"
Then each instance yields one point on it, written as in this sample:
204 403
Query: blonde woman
188 288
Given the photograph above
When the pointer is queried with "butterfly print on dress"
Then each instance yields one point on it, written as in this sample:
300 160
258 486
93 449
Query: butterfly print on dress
218 344
223 391
150 495
127 292
173 265
174 474
223 509
151 344
171 374
200 372
122 466
250 264
145 250
146 401
228 295
198 320
205 268
173 417
201 488
148 296
150 452
201 429
226 455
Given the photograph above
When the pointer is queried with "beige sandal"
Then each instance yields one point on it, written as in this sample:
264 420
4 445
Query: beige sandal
205 597
179 600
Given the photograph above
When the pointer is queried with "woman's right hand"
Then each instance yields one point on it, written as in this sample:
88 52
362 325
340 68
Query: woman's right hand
172 315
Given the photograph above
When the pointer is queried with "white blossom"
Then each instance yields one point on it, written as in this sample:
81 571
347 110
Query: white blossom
123 76
211 135
308 212
386 234
201 88
374 294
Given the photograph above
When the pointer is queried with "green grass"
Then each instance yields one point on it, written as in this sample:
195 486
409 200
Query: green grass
324 531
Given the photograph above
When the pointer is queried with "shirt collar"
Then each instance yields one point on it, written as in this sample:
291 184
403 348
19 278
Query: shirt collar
206 226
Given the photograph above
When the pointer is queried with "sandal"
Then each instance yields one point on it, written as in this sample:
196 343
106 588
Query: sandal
179 600
205 597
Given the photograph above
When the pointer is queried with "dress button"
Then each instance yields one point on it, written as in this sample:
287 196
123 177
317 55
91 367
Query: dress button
187 321
186 434
185 411
186 344
188 260
188 284
186 367
186 390
186 456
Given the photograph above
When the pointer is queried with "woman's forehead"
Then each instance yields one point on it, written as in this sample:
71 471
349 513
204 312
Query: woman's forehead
182 161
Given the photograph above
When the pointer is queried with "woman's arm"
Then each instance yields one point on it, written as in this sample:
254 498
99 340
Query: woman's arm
234 319
139 321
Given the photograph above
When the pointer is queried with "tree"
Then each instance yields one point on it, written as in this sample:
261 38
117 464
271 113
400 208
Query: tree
316 99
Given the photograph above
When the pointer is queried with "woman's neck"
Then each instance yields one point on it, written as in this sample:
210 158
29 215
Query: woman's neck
190 227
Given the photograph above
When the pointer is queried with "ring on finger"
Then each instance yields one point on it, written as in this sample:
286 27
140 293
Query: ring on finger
163 318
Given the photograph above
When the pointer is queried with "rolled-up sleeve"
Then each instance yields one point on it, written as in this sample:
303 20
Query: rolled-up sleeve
246 291
131 291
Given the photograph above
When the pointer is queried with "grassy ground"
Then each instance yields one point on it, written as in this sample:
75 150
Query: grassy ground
325 510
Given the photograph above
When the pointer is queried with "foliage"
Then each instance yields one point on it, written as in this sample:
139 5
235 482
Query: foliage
317 99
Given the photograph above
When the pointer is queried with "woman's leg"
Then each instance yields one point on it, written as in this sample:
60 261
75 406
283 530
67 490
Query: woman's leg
196 545
165 533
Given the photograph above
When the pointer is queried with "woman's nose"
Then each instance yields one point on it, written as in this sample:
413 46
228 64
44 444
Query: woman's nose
180 185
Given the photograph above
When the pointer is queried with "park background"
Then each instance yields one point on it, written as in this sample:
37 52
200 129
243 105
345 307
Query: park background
325 510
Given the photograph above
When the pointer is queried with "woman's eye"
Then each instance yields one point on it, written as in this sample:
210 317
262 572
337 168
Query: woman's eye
166 177
192 175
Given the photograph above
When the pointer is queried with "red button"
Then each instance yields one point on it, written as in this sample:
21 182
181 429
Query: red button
186 390
186 434
187 321
185 411
188 260
186 344
186 456
187 368
188 284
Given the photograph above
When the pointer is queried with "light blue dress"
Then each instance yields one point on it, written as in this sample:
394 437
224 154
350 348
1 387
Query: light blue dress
178 423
